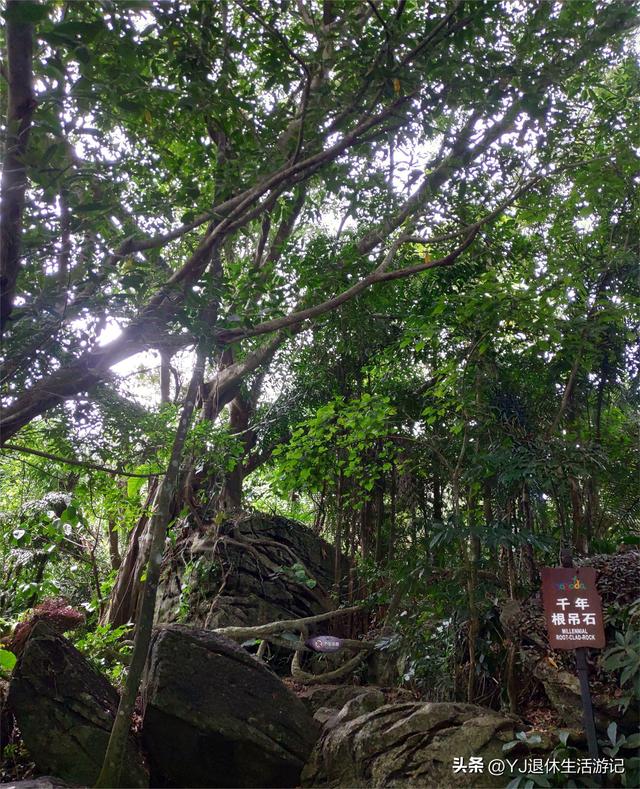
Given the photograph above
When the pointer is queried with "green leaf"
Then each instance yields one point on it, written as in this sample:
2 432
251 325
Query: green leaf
87 31
540 780
134 484
7 660
92 207
628 672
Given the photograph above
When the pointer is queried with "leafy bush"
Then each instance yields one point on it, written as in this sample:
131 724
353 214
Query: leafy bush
108 649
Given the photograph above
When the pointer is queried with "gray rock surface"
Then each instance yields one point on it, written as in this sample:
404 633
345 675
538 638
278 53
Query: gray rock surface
368 700
65 711
197 586
409 745
371 699
332 696
215 717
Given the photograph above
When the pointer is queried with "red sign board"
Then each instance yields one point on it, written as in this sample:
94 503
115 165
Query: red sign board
572 607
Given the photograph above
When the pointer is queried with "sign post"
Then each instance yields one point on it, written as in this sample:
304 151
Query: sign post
573 611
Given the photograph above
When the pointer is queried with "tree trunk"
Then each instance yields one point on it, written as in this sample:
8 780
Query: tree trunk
577 515
472 552
392 522
528 559
240 410
125 595
165 376
487 511
437 499
379 510
21 104
114 550
591 511
337 569
365 529
114 757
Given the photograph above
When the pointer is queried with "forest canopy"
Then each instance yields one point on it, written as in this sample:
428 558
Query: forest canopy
368 265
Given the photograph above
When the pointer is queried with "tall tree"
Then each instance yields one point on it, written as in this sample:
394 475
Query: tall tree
256 103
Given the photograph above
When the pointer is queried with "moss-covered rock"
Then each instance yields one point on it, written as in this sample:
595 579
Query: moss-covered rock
248 571
214 716
65 711
412 744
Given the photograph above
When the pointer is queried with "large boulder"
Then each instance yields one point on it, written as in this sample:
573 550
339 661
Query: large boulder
232 722
368 701
65 711
413 744
246 571
316 697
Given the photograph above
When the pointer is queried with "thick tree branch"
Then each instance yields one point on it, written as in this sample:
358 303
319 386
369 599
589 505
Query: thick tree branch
116 472
225 386
380 274
114 756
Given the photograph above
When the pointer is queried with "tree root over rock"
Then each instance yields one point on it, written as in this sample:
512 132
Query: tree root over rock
269 632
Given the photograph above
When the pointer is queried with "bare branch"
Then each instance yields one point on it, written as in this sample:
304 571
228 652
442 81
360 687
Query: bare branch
284 624
329 676
116 472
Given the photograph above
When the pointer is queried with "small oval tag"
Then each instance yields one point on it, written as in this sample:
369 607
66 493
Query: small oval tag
324 643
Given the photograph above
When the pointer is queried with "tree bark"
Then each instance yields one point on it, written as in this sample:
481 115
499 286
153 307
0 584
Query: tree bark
379 514
165 376
21 104
437 499
528 559
472 551
392 518
114 548
125 595
337 568
240 411
577 514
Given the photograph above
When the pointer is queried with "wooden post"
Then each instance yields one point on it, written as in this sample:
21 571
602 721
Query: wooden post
582 668
587 708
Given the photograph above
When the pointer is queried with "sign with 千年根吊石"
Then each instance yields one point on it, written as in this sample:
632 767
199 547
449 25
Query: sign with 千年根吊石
572 607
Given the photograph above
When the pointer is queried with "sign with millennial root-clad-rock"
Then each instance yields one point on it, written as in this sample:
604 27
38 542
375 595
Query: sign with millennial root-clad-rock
572 607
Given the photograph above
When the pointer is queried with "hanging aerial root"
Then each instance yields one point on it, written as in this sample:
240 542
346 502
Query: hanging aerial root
330 676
